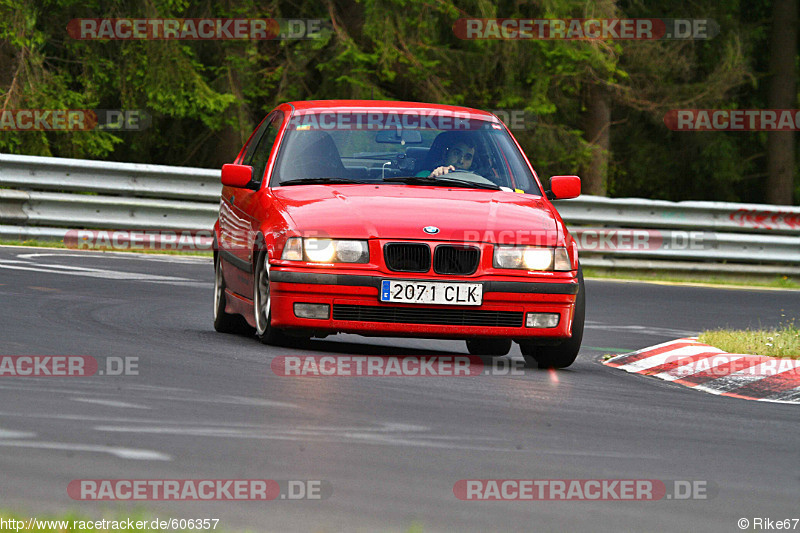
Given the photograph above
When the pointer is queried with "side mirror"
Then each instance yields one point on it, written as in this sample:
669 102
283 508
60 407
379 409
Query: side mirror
564 187
237 175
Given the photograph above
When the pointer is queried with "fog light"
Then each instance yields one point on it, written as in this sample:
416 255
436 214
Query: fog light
312 310
541 320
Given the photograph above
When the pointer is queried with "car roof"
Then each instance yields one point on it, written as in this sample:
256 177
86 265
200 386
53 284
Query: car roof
388 105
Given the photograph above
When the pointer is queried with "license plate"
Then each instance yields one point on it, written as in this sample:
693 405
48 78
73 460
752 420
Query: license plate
431 292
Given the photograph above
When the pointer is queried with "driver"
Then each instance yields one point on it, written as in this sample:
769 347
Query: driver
458 155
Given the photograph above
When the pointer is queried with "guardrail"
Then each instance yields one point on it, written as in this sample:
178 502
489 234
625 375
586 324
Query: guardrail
102 177
43 197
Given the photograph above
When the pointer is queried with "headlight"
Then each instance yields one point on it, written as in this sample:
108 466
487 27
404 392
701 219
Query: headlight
319 250
352 251
325 250
531 258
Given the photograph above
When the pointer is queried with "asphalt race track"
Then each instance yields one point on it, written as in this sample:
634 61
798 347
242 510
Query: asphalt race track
208 406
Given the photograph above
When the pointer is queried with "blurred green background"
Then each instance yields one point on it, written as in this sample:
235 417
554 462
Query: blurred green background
599 105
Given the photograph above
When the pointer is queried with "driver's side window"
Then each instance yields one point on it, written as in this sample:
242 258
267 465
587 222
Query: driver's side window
258 153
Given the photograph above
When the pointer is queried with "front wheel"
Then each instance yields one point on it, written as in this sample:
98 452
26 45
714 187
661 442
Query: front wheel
563 354
223 322
262 302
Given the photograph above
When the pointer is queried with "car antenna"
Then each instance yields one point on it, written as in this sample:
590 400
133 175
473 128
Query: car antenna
372 93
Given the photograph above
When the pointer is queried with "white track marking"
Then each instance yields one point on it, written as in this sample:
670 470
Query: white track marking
651 348
116 451
266 432
164 258
88 272
168 394
644 330
698 366
750 375
154 393
115 419
660 359
11 434
387 435
756 369
110 403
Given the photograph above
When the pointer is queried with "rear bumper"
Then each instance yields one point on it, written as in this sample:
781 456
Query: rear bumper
355 307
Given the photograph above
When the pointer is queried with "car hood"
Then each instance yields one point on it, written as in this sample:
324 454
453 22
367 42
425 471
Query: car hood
402 211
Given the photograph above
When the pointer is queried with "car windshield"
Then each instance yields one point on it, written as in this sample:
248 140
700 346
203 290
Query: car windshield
401 149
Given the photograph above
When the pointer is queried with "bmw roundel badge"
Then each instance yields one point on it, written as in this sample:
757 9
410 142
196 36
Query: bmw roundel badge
431 230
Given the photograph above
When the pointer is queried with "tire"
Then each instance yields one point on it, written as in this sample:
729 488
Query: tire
493 347
261 303
564 354
223 322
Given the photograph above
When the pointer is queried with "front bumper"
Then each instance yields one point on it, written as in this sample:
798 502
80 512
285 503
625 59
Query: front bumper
355 306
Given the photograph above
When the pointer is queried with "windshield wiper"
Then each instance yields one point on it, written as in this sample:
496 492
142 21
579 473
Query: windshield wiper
443 180
307 181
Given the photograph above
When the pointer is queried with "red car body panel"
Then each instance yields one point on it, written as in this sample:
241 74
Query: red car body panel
347 210
263 219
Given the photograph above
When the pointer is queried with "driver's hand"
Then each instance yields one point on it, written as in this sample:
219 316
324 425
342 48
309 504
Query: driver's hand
441 171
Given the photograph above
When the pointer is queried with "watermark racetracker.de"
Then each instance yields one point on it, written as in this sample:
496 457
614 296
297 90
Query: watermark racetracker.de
733 119
641 29
583 489
198 489
599 239
516 119
588 239
727 364
75 120
134 240
412 119
393 366
67 366
194 29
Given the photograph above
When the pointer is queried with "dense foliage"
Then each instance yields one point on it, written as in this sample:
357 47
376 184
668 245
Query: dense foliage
205 97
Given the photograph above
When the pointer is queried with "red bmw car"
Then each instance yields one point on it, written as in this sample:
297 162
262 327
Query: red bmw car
396 219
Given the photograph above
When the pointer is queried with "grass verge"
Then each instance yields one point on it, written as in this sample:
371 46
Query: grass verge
783 341
774 282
